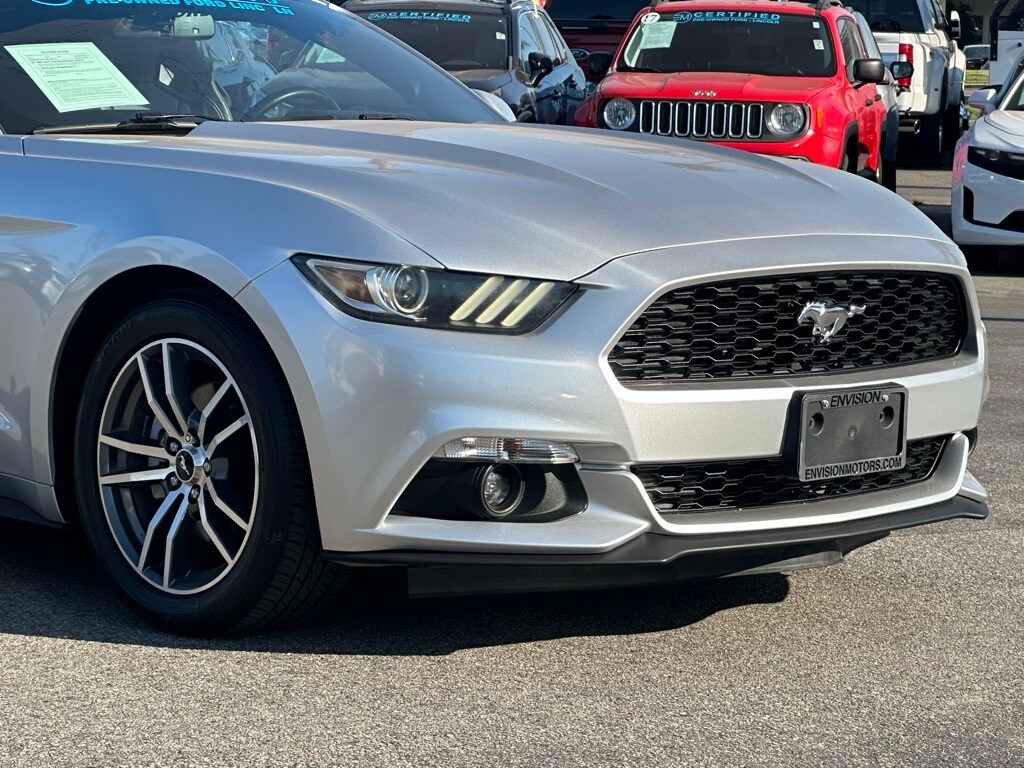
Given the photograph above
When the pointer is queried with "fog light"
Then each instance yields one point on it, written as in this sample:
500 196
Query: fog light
502 449
499 490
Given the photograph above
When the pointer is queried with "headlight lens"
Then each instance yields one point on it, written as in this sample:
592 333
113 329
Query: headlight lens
436 298
787 120
619 114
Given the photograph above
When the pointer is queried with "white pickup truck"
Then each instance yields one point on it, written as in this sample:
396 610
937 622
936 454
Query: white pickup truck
1006 31
930 102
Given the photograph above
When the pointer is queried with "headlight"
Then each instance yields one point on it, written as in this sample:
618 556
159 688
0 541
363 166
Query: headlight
436 298
619 114
787 120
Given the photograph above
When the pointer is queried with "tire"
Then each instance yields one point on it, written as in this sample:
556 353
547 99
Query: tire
931 140
952 127
887 172
848 162
238 527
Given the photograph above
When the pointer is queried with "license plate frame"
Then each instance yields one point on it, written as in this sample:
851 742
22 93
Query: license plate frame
847 432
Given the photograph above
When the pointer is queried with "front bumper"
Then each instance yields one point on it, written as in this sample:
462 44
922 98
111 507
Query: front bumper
377 401
654 558
982 203
813 147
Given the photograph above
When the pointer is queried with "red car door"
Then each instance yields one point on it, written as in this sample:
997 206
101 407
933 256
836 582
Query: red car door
864 100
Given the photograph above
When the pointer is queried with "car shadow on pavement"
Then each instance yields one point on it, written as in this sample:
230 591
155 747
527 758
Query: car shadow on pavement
49 587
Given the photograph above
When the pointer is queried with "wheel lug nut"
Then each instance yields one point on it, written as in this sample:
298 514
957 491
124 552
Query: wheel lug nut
207 467
188 439
194 494
173 446
173 481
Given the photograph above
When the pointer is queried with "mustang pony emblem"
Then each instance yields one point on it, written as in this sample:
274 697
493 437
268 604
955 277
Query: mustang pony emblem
827 320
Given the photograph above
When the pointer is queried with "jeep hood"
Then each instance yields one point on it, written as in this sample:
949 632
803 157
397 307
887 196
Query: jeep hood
731 86
552 203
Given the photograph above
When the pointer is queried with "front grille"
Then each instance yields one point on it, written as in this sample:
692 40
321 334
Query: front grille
703 119
750 483
749 328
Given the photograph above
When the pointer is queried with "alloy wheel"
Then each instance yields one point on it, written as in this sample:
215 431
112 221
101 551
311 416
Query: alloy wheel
178 466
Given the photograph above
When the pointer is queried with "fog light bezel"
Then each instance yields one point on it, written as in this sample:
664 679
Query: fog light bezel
515 498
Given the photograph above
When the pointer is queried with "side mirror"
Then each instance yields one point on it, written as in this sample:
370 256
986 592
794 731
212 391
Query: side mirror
983 100
497 104
954 25
540 66
869 71
902 70
600 63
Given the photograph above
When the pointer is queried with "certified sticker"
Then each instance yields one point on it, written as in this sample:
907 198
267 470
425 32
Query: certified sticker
650 18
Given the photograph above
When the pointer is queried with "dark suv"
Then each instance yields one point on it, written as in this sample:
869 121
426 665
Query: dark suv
590 26
511 49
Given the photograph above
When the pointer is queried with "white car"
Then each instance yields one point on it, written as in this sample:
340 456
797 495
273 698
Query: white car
919 31
988 172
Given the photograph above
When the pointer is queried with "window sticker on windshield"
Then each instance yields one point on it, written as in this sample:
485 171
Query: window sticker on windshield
76 76
461 18
819 45
650 18
816 25
499 36
658 35
743 17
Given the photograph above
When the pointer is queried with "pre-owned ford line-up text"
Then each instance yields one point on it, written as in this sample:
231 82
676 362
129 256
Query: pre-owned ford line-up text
248 347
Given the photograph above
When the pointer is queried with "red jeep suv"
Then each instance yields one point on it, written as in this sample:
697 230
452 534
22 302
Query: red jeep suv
768 76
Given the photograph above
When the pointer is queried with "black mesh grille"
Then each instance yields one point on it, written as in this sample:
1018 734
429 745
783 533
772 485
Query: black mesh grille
749 328
750 483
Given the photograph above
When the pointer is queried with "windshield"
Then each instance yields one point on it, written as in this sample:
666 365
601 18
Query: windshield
456 41
72 63
1014 100
731 41
607 10
890 15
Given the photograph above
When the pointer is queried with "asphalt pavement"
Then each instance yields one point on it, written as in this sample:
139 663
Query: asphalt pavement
911 653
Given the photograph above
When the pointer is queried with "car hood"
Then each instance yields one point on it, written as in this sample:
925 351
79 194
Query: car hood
726 85
1002 126
545 202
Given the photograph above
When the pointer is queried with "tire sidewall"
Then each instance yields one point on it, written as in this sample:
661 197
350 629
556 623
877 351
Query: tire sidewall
245 357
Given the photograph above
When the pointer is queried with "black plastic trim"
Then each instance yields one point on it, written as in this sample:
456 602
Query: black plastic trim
659 549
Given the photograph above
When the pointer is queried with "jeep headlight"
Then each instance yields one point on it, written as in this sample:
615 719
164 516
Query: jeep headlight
436 298
787 120
619 114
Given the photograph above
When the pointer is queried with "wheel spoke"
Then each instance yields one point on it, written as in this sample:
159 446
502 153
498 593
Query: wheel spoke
158 518
211 407
172 534
136 476
154 406
139 449
225 433
223 507
205 521
175 378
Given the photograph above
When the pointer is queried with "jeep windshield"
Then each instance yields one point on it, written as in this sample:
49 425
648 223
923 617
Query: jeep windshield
67 63
457 41
750 42
890 15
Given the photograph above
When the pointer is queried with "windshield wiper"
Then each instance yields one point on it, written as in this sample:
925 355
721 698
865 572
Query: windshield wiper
624 68
142 123
382 117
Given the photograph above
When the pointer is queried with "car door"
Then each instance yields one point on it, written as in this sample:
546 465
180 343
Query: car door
535 105
863 98
567 76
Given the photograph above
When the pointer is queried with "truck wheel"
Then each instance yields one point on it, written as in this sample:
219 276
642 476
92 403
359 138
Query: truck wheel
952 127
931 141
886 172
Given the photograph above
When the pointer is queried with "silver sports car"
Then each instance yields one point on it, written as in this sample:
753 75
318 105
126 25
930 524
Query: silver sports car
247 347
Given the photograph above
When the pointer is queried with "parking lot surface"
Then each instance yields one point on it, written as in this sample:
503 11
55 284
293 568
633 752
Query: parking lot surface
909 654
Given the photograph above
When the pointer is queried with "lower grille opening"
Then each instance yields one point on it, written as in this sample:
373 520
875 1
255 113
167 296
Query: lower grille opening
719 486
